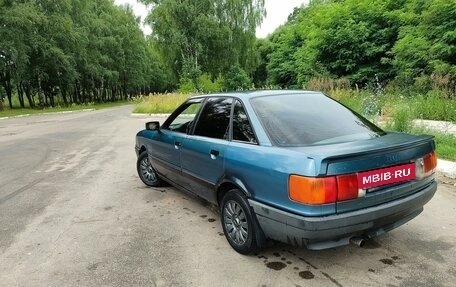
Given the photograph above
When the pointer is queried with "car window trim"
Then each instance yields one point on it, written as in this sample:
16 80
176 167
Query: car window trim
197 117
192 132
180 109
248 118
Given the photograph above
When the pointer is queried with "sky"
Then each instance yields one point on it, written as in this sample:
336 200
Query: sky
277 14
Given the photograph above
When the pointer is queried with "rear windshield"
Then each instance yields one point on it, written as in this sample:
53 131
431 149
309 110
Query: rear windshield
311 119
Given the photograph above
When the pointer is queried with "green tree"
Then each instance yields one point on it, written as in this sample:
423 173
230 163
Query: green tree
205 36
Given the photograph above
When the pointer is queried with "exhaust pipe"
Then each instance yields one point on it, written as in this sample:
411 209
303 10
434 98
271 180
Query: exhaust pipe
358 241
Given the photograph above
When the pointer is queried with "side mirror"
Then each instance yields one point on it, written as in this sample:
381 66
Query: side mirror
153 126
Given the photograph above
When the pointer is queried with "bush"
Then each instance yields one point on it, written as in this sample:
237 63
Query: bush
237 79
401 121
206 85
187 86
435 106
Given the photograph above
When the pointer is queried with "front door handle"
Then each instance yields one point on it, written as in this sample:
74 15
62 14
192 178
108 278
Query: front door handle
177 145
214 153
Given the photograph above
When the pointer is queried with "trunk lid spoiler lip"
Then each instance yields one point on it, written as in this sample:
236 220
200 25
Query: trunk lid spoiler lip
324 155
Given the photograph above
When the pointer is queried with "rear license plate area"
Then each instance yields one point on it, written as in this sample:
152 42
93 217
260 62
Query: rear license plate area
386 176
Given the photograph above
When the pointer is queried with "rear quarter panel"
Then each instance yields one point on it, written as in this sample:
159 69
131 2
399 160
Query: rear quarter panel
264 172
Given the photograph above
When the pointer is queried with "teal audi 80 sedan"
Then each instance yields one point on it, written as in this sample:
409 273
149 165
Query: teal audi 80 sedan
290 166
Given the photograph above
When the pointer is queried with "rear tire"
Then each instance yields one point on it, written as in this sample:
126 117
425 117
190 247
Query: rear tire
239 223
146 172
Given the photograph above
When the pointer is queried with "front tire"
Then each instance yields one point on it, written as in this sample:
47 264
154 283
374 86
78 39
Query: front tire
238 222
146 172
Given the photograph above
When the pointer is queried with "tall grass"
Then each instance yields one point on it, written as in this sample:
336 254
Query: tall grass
159 103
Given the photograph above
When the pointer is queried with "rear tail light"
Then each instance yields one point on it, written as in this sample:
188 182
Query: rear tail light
321 190
347 187
426 165
311 190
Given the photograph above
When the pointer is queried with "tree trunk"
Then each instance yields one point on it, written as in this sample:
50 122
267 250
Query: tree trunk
9 92
40 94
64 97
51 99
20 95
1 101
28 94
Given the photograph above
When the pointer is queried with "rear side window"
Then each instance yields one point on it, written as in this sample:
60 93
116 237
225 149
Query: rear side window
311 119
242 129
215 118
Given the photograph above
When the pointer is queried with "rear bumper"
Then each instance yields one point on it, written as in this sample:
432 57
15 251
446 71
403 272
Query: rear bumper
336 230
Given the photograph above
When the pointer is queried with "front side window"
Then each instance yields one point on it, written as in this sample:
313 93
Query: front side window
183 121
242 129
215 118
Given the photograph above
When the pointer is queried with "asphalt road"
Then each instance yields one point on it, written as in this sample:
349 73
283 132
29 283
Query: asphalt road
74 213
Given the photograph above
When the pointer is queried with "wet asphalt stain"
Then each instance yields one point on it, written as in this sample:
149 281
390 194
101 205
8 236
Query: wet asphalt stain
387 261
276 265
211 219
306 275
203 216
221 234
93 266
371 244
430 249
371 270
395 258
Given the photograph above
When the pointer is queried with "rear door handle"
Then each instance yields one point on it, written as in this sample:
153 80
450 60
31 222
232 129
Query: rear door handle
177 145
214 153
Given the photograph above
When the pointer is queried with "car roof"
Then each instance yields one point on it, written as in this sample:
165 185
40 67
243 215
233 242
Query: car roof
259 93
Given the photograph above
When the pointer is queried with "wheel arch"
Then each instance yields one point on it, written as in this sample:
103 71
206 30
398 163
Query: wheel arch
228 184
142 149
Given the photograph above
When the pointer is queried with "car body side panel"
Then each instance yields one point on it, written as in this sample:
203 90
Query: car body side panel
164 152
203 170
264 172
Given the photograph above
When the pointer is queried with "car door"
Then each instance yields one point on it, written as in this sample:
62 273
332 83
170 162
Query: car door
203 151
166 149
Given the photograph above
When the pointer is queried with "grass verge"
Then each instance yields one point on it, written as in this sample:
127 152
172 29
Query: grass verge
445 143
18 111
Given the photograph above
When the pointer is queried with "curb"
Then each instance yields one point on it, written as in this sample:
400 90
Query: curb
448 168
149 115
47 113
